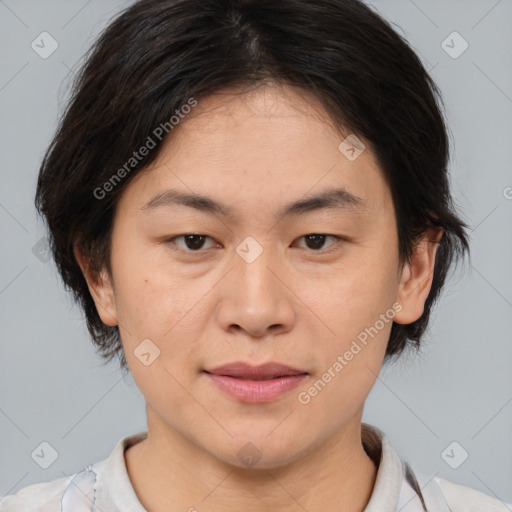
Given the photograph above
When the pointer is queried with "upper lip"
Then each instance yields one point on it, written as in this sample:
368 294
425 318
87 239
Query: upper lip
243 370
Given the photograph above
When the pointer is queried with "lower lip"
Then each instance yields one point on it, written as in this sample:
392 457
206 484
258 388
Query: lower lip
256 390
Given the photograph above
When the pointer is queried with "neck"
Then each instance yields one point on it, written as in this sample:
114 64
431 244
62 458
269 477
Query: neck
168 471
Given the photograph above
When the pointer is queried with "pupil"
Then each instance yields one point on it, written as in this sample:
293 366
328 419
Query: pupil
195 242
313 241
317 240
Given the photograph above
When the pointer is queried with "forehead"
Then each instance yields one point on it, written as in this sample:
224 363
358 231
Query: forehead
259 148
267 117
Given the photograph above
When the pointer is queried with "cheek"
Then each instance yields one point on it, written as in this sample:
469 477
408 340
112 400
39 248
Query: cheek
147 293
349 305
163 388
337 395
157 305
353 296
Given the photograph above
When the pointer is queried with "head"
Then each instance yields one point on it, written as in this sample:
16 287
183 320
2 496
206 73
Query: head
322 214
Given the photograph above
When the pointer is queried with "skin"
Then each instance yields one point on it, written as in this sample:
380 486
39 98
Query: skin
301 306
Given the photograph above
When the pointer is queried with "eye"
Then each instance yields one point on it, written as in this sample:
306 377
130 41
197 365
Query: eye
192 242
196 242
315 241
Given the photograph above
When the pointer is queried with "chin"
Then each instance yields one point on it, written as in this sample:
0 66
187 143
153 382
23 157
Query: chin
260 451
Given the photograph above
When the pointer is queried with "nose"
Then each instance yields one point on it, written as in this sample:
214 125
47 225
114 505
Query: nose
256 298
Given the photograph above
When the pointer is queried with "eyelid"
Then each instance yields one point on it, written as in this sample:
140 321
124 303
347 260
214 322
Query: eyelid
171 239
337 240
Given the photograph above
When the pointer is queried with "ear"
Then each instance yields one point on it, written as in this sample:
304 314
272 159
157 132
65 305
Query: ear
416 278
101 290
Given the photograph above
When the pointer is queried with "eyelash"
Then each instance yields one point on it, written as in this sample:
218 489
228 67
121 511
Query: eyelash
337 240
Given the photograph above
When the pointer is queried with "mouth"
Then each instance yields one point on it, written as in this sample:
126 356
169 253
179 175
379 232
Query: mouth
254 378
263 383
245 371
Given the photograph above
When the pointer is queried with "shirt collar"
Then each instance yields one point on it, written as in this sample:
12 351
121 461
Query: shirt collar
114 484
389 479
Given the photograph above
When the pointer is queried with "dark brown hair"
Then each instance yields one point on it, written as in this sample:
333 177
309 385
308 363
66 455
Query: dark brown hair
157 54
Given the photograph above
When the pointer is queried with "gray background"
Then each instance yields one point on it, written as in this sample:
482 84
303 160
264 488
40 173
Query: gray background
52 385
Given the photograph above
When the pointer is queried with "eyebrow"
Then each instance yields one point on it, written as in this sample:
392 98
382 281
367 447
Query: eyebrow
338 198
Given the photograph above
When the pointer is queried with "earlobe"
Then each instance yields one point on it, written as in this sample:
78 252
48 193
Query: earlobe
101 290
416 278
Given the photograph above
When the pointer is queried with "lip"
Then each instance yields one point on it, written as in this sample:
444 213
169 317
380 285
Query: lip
256 384
244 370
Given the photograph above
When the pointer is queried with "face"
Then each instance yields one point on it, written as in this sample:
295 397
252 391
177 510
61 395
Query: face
314 287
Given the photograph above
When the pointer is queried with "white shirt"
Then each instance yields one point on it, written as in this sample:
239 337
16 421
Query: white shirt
106 486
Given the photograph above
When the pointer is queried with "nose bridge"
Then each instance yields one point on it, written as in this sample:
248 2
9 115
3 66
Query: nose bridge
253 270
255 298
